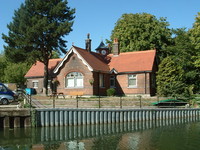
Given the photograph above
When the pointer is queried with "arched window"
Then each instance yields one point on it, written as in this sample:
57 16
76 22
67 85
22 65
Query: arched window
74 80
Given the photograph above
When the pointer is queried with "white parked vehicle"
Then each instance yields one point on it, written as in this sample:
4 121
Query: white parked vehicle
6 99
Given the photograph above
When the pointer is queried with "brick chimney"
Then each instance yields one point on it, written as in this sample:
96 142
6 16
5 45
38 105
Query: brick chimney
116 47
88 43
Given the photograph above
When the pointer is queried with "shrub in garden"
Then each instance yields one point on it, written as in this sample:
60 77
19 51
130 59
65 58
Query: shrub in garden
111 92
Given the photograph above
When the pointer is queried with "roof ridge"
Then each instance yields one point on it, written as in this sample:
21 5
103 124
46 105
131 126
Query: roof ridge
144 51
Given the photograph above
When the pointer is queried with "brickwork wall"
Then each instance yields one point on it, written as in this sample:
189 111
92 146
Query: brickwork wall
40 84
74 64
101 90
122 84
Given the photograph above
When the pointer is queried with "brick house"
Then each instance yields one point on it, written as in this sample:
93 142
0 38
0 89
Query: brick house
92 73
35 75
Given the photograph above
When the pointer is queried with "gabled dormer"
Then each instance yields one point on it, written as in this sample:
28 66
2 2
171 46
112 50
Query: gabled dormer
102 49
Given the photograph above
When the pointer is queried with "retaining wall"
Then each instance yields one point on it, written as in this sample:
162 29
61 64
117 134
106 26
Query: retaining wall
68 117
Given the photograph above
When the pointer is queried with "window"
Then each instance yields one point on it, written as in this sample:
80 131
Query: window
101 80
74 79
35 84
132 80
2 89
112 81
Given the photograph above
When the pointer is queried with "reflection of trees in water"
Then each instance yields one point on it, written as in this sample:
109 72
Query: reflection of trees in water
16 147
52 146
106 142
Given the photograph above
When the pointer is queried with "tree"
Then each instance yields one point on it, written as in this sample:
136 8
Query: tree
38 29
195 33
14 73
141 32
183 49
195 39
170 78
3 65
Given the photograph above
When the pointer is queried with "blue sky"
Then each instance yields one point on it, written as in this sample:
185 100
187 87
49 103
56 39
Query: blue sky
98 17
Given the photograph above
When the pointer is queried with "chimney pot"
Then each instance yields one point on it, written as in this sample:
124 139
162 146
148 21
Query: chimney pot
116 47
115 40
88 43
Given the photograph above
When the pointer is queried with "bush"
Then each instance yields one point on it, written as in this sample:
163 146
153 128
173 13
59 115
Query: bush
111 92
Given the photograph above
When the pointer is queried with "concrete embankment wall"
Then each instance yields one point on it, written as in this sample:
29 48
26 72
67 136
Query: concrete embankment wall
68 117
15 118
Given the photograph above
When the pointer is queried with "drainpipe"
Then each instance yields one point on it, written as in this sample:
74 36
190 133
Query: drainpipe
145 82
99 89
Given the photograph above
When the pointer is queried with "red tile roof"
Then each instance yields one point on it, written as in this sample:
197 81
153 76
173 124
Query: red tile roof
93 59
138 61
133 61
37 69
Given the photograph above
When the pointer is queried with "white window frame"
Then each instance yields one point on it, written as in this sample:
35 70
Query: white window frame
77 80
35 84
112 78
132 77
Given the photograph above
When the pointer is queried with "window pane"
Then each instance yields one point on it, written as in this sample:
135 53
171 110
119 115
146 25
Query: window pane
132 76
132 82
70 82
35 84
74 79
112 83
79 82
101 80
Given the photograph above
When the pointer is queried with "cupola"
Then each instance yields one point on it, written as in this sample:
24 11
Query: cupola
102 49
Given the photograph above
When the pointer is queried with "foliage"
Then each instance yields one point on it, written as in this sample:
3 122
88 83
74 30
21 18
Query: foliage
110 92
3 65
194 36
195 32
37 30
14 73
141 32
170 78
183 50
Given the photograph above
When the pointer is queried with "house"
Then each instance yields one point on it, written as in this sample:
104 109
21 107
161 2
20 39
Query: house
92 73
35 75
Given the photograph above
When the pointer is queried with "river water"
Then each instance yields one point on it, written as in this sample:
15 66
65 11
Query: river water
158 135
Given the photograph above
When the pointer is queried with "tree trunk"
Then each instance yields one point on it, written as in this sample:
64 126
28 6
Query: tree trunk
46 76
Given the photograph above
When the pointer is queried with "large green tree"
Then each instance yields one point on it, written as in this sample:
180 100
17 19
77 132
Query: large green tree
183 50
195 38
170 77
38 29
141 31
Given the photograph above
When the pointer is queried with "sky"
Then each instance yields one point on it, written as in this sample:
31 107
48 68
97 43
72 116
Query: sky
98 17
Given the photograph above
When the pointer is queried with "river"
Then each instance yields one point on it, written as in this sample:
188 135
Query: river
158 135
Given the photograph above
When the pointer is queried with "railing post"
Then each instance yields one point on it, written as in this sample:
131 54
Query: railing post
53 100
140 99
76 101
120 102
99 102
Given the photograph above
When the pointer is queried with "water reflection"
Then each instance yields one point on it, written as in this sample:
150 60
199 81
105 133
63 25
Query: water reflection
160 134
